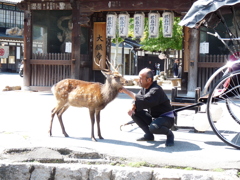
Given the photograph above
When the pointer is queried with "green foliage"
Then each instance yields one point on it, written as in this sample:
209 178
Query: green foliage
156 44
218 170
138 164
160 43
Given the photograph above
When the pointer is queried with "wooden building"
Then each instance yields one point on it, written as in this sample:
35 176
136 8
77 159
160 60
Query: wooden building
11 36
60 36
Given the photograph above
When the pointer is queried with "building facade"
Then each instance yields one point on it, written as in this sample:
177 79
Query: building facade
11 36
62 37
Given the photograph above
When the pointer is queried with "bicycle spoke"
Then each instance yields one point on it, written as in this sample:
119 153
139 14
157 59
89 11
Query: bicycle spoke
225 97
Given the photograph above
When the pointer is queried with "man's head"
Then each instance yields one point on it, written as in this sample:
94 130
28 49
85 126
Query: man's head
145 78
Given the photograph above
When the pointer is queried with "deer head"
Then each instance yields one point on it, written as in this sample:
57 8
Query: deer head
112 77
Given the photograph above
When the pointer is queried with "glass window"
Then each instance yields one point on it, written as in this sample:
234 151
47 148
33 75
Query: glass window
12 19
46 32
52 31
3 60
2 18
10 16
11 59
7 19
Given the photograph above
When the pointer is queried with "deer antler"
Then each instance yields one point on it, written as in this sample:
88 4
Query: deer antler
99 65
111 64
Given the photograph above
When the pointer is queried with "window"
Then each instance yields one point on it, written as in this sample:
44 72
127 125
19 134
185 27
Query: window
10 16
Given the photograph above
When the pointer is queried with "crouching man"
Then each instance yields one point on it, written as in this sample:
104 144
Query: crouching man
151 109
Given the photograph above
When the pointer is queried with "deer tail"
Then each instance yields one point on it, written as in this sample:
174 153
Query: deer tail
53 88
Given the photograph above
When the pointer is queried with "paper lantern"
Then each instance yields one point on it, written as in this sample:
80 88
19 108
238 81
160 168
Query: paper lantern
138 24
168 20
123 21
216 112
153 24
201 122
111 24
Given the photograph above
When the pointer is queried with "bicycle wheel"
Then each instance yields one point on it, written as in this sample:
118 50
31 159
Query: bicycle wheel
223 109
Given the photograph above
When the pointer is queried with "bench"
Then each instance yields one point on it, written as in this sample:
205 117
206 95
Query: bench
183 101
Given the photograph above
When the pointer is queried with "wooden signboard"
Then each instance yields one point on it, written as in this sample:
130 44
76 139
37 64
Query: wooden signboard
99 44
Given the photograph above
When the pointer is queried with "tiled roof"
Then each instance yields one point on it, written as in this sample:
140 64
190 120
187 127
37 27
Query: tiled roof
3 36
11 1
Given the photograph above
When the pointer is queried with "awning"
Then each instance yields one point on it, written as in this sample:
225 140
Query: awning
201 8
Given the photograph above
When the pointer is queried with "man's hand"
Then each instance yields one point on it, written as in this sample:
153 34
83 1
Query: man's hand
129 93
132 110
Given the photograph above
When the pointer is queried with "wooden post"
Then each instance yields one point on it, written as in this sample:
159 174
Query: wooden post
193 59
76 40
27 49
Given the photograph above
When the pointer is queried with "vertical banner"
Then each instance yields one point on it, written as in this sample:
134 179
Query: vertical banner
138 24
153 24
111 25
4 51
168 20
123 21
99 45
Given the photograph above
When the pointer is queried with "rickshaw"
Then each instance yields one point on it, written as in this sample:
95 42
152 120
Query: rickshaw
221 19
222 98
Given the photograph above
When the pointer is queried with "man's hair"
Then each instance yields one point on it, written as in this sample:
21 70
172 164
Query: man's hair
149 73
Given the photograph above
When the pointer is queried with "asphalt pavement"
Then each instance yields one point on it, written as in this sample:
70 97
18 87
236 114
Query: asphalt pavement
25 119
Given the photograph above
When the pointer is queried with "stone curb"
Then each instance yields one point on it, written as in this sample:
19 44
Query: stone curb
36 171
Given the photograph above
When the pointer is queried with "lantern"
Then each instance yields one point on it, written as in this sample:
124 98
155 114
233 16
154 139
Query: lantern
123 21
111 24
168 20
138 24
153 24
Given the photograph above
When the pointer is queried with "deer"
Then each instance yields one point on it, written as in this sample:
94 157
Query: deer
93 95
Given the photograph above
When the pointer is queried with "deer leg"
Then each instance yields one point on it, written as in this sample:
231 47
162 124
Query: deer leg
59 114
92 112
98 124
54 111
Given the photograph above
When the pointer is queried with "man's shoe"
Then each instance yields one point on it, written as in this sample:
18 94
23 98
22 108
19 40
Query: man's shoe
146 138
170 139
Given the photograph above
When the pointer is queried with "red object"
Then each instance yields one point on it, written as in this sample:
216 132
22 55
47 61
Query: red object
2 51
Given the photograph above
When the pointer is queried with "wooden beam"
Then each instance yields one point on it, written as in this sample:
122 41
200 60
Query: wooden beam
50 62
106 5
211 64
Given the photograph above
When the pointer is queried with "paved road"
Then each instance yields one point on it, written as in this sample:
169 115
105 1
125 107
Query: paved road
25 118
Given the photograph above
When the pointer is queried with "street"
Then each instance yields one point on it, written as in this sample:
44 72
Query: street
25 118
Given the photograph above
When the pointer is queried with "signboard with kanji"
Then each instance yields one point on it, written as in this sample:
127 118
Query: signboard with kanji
99 45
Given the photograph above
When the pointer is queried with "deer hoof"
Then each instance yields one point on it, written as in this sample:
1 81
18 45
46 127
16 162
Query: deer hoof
93 139
66 135
100 137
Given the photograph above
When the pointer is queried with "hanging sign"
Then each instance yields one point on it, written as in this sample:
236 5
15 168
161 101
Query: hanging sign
153 24
204 48
111 25
99 45
138 24
123 21
68 47
4 51
168 19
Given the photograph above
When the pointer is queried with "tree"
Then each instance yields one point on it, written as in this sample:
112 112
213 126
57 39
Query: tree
160 43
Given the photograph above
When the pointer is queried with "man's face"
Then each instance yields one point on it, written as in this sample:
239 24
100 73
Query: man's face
143 80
